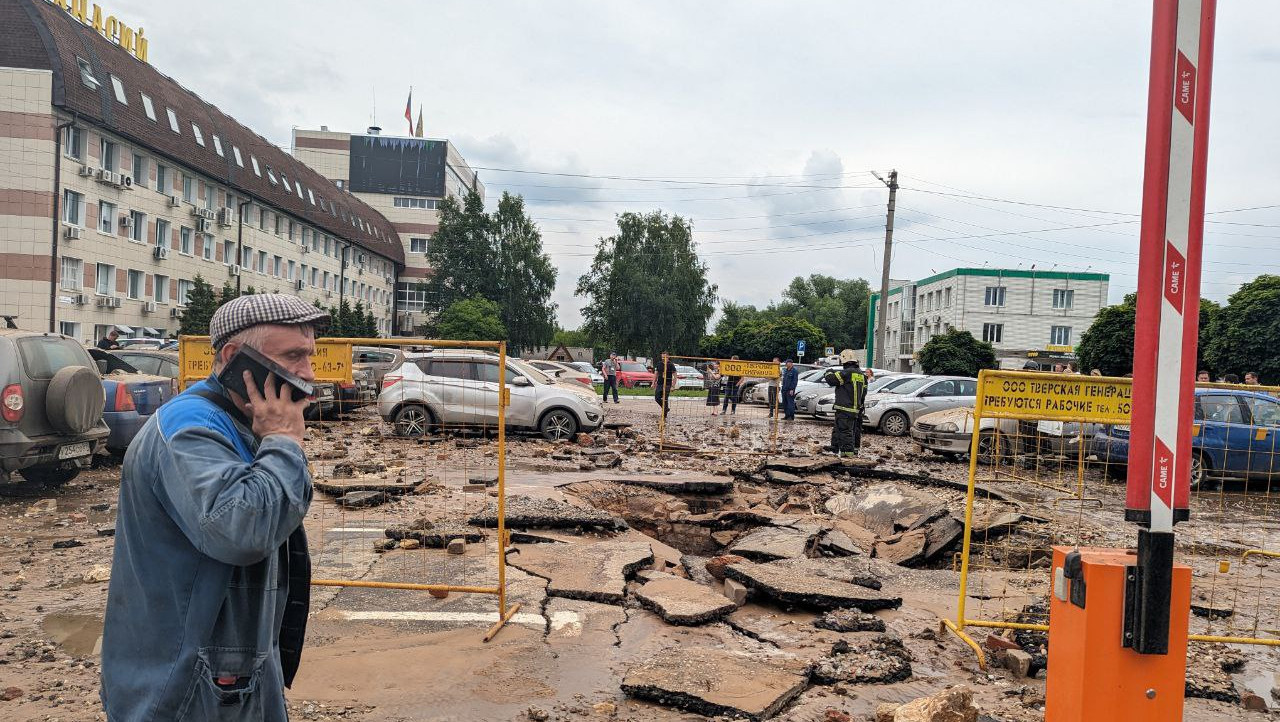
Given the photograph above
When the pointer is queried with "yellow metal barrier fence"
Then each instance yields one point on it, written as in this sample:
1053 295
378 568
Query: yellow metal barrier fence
729 404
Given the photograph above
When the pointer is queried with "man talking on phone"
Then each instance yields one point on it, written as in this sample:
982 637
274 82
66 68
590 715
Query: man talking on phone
210 579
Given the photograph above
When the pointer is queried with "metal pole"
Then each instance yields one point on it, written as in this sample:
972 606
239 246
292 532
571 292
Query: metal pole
57 192
503 392
239 241
881 348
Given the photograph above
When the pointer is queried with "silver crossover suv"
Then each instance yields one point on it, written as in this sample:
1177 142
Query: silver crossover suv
459 388
893 412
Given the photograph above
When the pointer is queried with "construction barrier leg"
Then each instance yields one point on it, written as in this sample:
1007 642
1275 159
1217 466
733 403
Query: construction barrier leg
1093 675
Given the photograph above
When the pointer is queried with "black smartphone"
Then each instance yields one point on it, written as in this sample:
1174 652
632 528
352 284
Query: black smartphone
256 363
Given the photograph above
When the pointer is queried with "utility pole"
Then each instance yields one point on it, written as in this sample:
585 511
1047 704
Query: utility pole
883 314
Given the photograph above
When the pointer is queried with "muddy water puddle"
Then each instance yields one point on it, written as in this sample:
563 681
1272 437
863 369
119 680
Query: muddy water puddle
79 634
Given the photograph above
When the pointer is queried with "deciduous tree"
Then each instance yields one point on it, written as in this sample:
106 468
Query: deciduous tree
473 319
1244 335
956 353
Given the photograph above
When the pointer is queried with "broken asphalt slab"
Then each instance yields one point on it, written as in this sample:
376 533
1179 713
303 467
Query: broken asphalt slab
594 572
768 543
802 465
800 587
715 682
680 601
341 487
679 484
435 535
524 512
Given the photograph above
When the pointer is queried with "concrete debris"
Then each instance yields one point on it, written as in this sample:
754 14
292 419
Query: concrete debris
97 573
849 620
717 682
524 512
42 507
1018 662
791 586
487 478
715 565
68 544
680 483
865 659
595 572
410 544
802 465
349 470
783 477
434 535
951 705
360 499
736 592
340 487
456 546
836 543
695 568
680 601
769 543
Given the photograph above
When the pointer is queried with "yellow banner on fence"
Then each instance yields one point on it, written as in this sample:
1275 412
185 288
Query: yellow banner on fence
754 369
331 361
1061 397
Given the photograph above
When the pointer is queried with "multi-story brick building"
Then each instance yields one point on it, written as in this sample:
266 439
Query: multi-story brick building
402 178
118 186
1017 311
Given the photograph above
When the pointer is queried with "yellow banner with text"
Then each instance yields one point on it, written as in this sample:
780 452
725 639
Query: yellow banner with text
1064 397
754 369
331 361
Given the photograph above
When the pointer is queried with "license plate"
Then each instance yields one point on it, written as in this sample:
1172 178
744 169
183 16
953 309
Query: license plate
73 451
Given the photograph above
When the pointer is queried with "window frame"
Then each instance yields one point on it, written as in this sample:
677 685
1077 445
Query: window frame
199 136
1068 298
118 86
160 288
77 279
999 294
993 333
109 287
173 121
165 238
148 107
73 204
107 220
139 231
141 277
1054 335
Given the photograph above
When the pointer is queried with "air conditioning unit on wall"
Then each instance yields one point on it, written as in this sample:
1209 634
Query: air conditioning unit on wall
148 306
160 253
73 233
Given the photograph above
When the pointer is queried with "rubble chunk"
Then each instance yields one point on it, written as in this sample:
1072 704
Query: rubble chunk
717 682
849 620
790 586
434 536
361 499
525 512
950 705
594 572
868 659
680 601
769 543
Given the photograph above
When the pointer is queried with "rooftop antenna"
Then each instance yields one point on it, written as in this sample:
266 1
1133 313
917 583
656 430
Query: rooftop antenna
373 117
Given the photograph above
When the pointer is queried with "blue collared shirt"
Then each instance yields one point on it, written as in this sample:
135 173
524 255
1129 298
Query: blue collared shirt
199 577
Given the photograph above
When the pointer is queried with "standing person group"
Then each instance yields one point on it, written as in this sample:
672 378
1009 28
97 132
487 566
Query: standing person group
732 387
609 370
851 390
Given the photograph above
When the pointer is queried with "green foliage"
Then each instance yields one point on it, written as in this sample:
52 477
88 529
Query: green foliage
347 321
202 301
473 319
764 339
1108 344
647 290
571 338
733 314
1244 335
837 306
956 353
495 256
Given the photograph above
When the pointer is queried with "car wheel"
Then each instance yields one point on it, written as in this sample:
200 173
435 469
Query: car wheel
558 424
1200 469
412 420
988 448
895 423
49 475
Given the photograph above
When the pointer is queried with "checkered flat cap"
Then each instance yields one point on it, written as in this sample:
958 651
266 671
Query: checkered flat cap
245 312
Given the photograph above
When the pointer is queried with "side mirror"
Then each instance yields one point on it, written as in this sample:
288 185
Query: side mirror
521 381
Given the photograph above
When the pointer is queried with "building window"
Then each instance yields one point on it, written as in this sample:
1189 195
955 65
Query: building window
173 120
254 161
148 107
228 252
106 216
138 226
262 262
262 218
993 332
1063 298
995 296
328 250
276 262
411 296
292 270
188 188
72 208
162 179
206 247
284 180
424 203
297 188
246 257
161 289
315 275
162 232
947 297
72 274
279 224
311 196
418 245
107 159
86 74
119 88
139 171
106 279
1060 335
325 280
137 280
195 130
217 145
271 176
184 291
73 142
69 328
184 240
235 151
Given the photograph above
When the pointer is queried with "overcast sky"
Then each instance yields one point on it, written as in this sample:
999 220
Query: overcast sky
750 112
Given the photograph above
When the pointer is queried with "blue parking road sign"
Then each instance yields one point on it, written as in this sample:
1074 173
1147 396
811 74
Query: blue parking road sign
800 347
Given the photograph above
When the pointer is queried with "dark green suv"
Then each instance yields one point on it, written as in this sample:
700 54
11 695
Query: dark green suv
51 403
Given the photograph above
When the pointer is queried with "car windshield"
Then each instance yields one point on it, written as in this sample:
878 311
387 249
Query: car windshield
633 367
533 373
582 366
908 386
813 375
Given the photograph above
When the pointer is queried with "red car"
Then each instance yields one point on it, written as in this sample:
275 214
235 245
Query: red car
633 374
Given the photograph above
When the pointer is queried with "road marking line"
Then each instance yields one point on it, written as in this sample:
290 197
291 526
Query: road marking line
357 529
558 620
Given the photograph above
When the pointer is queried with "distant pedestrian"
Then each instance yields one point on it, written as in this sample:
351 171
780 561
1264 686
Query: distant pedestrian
1203 377
732 386
1231 379
790 379
1251 378
109 342
773 389
1096 372
1059 369
711 382
609 369
664 380
851 390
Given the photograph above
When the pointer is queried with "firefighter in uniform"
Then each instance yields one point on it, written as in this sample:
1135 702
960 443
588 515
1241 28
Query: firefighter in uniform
851 389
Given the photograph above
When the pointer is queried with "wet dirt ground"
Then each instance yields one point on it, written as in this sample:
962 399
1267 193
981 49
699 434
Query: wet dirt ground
378 654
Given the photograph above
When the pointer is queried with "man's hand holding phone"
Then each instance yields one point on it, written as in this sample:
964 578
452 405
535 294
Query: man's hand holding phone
273 410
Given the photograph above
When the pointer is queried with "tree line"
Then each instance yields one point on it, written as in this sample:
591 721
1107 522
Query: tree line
345 320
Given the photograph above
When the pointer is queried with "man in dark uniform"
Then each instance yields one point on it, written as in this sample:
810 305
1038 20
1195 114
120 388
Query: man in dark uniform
851 389
664 381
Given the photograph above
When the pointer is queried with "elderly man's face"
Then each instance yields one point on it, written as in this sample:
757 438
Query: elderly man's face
289 346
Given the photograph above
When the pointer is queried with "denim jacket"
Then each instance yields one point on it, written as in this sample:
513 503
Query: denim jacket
210 562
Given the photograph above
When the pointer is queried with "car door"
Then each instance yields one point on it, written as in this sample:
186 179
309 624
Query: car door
938 396
1222 432
449 384
520 412
1264 419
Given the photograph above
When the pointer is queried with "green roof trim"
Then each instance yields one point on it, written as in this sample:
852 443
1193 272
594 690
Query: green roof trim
1003 273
